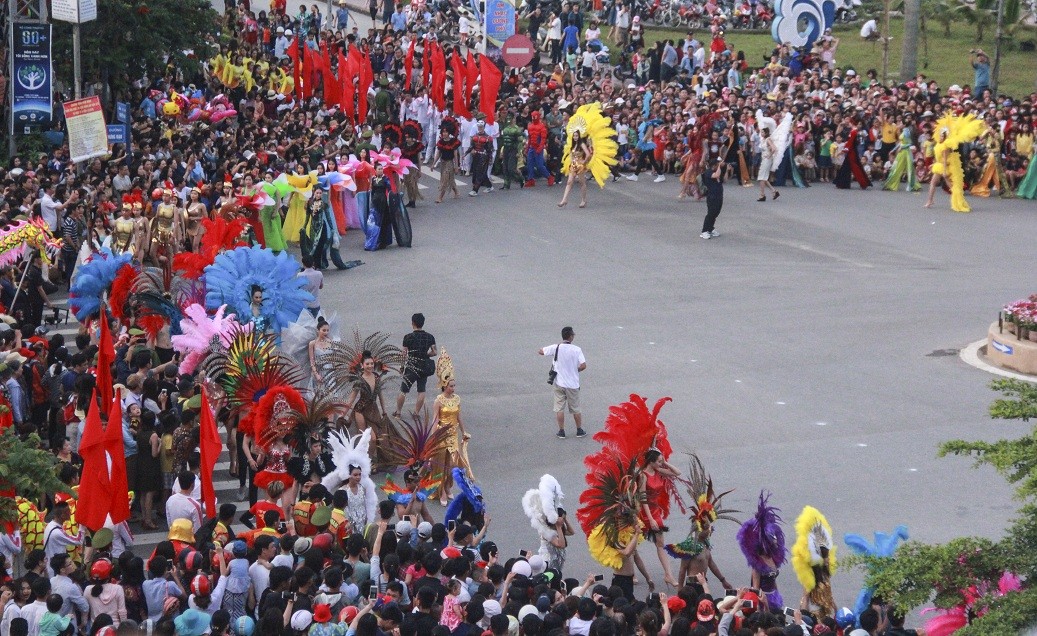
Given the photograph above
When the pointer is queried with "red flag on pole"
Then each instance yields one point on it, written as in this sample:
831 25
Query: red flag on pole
426 62
489 87
95 492
408 64
113 445
293 53
460 106
366 78
327 79
345 88
439 78
210 446
105 359
471 76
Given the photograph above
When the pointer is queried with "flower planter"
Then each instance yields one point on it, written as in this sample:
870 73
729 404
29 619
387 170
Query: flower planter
1009 327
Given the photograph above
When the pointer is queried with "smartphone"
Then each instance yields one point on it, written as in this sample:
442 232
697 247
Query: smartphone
689 581
788 611
373 594
599 577
731 592
452 525
523 553
747 604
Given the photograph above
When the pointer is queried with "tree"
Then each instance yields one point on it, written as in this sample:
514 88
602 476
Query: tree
939 574
943 12
981 14
26 469
134 39
909 53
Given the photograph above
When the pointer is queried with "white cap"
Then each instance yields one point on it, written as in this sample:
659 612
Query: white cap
301 620
288 32
537 564
403 528
522 567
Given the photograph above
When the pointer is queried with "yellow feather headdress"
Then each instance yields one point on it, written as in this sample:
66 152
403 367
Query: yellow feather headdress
812 534
597 130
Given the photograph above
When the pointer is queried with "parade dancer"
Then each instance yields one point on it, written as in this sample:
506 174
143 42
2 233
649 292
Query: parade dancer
480 152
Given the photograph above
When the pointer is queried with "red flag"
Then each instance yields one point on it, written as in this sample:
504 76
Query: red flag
105 359
471 75
439 78
489 87
345 88
366 78
408 64
426 61
210 445
311 66
327 79
119 508
95 492
460 106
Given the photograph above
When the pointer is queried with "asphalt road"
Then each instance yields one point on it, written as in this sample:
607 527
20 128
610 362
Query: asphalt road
805 349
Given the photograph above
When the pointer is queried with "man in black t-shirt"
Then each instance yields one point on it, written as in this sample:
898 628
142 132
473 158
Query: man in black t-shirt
420 347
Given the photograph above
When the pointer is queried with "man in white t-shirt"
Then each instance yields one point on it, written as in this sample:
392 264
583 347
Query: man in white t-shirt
870 30
567 363
49 207
181 505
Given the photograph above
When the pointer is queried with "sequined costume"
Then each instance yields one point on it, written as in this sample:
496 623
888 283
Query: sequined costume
276 468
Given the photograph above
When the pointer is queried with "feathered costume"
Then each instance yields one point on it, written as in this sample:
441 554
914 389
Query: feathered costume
230 278
705 509
541 505
272 421
955 131
884 547
296 339
612 503
813 558
762 537
204 334
302 190
949 621
414 446
343 365
348 452
468 506
596 129
93 280
220 236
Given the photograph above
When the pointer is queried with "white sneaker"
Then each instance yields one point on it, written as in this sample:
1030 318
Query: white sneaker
631 177
706 235
660 178
714 234
491 189
473 193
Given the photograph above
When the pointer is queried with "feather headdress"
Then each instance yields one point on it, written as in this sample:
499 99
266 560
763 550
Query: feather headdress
93 280
274 416
413 443
813 538
230 278
762 535
220 235
249 368
631 429
541 506
151 305
706 505
322 408
347 452
203 334
885 546
343 364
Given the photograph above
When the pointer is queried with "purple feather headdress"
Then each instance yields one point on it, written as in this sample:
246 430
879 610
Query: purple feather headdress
762 534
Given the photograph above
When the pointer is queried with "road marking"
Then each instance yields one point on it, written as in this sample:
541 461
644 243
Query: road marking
813 250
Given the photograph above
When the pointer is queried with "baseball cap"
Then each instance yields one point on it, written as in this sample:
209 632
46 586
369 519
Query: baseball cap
424 529
706 611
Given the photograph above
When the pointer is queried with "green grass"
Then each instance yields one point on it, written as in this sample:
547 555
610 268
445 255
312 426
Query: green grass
947 61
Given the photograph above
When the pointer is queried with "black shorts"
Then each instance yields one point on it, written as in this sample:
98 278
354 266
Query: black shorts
417 374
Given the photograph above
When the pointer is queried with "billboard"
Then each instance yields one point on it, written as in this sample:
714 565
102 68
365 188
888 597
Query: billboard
31 86
498 25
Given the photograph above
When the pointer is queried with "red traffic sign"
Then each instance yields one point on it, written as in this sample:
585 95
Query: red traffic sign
518 50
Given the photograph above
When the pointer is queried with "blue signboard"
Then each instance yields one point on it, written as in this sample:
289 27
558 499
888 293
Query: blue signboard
31 85
122 112
117 133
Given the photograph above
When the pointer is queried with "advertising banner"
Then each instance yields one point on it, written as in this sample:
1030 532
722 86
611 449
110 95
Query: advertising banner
87 132
499 25
31 86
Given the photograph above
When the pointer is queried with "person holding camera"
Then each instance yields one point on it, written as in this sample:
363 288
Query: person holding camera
567 363
981 72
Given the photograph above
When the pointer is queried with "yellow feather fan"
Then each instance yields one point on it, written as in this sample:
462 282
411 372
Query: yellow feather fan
597 130
812 533
959 130
605 553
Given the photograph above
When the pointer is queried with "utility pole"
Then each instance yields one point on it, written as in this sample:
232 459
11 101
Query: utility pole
995 77
885 40
77 66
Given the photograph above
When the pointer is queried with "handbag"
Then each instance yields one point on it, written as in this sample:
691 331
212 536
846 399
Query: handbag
551 373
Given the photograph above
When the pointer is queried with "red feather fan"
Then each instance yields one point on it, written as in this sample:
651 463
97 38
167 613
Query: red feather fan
631 429
120 291
220 235
151 323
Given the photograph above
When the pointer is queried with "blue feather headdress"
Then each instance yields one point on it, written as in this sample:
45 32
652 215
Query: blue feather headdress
471 495
230 278
93 281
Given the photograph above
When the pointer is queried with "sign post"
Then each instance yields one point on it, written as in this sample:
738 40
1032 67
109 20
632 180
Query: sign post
518 50
76 12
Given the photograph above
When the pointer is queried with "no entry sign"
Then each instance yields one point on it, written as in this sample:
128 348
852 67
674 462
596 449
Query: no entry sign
518 50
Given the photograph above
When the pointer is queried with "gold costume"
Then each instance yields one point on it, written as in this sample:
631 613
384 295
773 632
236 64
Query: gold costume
163 224
122 235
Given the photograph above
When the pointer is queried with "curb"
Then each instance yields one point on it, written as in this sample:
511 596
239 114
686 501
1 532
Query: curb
970 356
